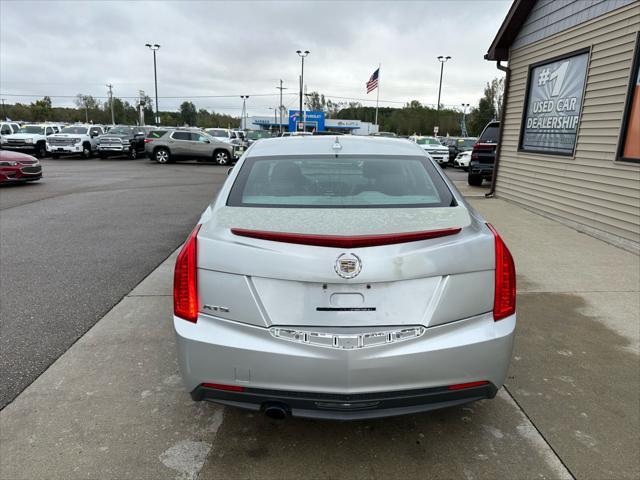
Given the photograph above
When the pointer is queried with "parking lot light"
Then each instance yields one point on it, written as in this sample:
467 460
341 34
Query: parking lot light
302 56
442 61
154 48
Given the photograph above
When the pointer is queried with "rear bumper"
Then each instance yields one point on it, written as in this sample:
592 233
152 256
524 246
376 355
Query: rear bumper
346 407
415 371
484 169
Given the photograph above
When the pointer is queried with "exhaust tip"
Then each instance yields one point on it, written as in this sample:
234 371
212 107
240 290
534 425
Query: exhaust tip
276 411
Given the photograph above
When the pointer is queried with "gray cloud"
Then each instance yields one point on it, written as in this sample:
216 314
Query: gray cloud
232 48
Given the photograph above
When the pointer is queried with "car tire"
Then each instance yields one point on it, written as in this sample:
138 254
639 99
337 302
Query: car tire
86 151
222 157
41 150
443 165
133 154
162 156
474 180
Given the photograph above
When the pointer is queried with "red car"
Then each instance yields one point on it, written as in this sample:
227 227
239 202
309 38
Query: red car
18 167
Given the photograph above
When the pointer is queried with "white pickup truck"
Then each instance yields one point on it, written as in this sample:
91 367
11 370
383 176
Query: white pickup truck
75 140
29 139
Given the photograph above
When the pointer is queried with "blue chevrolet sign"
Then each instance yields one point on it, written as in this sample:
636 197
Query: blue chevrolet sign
313 120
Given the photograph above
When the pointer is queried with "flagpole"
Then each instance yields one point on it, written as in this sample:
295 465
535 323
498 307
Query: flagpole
378 96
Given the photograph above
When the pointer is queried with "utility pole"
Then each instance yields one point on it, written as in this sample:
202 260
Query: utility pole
281 106
463 127
113 121
442 61
302 56
155 47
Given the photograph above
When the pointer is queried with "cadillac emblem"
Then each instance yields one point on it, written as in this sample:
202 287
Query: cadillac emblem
348 265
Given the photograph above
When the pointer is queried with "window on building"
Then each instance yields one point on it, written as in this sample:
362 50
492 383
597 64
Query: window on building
555 89
629 149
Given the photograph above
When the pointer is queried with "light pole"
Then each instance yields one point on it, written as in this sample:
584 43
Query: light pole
243 121
154 48
442 61
302 55
463 130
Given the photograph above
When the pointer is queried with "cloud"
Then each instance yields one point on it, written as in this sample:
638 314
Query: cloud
232 48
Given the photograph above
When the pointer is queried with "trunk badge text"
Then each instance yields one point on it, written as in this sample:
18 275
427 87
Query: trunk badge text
215 308
348 265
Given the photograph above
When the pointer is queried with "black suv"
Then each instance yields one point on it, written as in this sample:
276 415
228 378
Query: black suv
483 155
123 140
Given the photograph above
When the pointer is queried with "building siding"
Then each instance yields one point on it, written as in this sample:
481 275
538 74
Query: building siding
549 17
591 188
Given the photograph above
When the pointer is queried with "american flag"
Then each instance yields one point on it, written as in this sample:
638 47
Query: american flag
372 84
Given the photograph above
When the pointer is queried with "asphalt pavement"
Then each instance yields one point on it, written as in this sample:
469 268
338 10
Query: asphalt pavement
75 243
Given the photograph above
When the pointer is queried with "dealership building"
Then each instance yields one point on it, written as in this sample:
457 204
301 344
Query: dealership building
312 121
570 127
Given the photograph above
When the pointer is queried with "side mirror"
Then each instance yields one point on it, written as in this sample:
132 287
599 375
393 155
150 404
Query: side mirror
229 171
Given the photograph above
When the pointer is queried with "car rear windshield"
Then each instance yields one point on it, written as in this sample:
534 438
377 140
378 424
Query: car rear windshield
217 133
376 182
76 130
428 141
490 134
32 129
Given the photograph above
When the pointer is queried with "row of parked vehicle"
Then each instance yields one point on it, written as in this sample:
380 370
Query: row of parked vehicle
159 143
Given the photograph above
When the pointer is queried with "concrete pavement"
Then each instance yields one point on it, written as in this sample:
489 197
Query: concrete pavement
112 406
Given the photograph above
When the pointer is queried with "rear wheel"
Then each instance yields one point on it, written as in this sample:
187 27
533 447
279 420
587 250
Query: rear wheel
222 157
86 151
474 180
162 155
41 150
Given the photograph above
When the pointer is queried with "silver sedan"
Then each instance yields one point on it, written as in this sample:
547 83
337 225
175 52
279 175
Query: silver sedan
342 278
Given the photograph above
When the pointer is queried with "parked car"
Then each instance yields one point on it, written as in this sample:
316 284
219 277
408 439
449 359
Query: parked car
325 280
76 139
16 167
228 136
385 134
458 145
483 155
171 145
8 128
433 147
255 135
30 139
462 160
123 140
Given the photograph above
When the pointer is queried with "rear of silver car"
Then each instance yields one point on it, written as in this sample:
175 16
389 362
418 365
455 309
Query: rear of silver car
343 313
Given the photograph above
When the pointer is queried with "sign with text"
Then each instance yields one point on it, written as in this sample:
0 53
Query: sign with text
554 102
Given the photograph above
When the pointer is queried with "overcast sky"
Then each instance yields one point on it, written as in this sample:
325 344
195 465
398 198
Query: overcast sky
232 48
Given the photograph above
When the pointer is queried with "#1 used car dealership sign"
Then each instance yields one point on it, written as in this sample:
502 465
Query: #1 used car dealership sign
553 103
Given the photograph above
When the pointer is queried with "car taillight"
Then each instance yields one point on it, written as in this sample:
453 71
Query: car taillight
185 280
504 300
148 140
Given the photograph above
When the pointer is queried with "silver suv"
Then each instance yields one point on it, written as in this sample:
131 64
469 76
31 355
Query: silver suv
167 145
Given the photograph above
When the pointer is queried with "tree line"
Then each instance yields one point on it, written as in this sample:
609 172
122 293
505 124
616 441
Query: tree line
89 109
416 118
